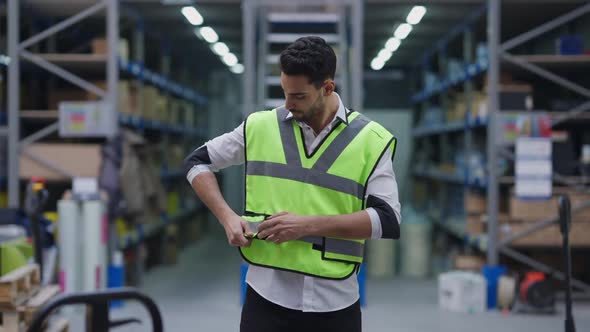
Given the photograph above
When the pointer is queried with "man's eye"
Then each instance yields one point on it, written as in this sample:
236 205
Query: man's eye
299 97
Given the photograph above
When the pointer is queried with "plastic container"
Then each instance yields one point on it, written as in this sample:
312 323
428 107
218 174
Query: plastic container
461 291
116 276
381 258
492 273
416 245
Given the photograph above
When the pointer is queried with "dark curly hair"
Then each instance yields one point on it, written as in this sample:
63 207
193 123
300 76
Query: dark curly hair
310 56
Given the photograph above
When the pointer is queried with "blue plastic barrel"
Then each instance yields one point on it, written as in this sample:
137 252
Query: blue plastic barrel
492 273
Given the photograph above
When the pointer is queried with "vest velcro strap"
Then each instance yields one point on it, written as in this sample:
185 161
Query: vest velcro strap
305 175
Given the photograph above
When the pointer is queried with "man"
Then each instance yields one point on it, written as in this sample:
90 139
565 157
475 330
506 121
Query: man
319 180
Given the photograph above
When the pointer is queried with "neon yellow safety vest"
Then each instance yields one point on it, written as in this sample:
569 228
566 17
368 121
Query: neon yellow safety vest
332 180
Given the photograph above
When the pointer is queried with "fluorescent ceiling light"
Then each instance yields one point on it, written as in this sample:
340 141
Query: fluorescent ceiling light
237 68
176 2
384 55
192 15
209 34
416 14
220 48
377 64
230 59
5 60
392 44
402 31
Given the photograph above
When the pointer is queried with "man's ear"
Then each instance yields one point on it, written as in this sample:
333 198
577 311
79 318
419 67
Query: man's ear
329 88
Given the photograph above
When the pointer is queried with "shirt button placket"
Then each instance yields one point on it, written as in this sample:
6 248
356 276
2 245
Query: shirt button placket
308 285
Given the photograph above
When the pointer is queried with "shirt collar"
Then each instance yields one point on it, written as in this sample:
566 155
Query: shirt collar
340 114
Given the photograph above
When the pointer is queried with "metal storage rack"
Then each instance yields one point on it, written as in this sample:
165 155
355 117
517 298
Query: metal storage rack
71 68
278 23
539 65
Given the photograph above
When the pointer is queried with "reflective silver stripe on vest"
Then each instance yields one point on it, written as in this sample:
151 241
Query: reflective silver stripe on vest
329 156
309 176
337 246
344 247
288 138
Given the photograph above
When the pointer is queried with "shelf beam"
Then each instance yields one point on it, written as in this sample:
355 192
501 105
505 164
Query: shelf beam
514 254
74 79
545 74
64 24
520 39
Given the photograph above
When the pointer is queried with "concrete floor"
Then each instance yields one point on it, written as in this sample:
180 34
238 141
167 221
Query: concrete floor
201 293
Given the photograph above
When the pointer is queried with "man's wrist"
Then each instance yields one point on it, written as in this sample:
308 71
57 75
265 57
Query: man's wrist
311 225
225 216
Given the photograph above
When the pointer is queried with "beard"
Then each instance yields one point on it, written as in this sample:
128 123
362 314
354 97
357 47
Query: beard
306 116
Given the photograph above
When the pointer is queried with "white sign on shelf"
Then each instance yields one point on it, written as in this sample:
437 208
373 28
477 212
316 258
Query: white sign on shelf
85 119
534 168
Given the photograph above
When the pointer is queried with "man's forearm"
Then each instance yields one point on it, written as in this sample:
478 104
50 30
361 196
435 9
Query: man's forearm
348 226
206 187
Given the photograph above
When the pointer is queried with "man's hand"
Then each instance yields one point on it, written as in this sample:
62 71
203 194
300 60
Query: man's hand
236 229
283 227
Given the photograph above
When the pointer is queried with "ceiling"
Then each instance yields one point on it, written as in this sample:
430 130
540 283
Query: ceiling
380 19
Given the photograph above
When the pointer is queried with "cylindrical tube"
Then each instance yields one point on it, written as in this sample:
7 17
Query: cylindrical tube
93 255
69 246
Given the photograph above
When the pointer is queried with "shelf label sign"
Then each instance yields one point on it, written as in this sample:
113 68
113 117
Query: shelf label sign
534 168
85 119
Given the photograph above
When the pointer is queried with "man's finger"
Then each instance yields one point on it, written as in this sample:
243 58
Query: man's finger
282 213
268 223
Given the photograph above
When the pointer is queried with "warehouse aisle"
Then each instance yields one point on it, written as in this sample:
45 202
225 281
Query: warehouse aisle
201 293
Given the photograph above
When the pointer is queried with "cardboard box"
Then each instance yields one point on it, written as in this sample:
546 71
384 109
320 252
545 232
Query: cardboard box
100 46
162 106
469 263
475 203
461 291
475 225
81 160
150 97
525 210
188 113
126 102
550 236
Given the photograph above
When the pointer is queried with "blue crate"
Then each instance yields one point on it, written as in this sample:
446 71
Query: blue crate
570 45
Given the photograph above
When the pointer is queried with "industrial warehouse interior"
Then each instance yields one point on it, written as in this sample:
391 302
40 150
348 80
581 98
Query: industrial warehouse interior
287 165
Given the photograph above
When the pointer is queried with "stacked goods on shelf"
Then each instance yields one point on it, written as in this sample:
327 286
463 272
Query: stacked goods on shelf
475 208
150 99
66 156
523 213
188 116
472 263
21 296
140 184
127 94
100 46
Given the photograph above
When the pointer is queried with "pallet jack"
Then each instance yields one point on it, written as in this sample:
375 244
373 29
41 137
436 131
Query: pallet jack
97 303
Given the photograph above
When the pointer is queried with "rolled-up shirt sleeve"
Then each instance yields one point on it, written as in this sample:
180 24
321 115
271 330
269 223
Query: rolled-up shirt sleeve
382 200
221 152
